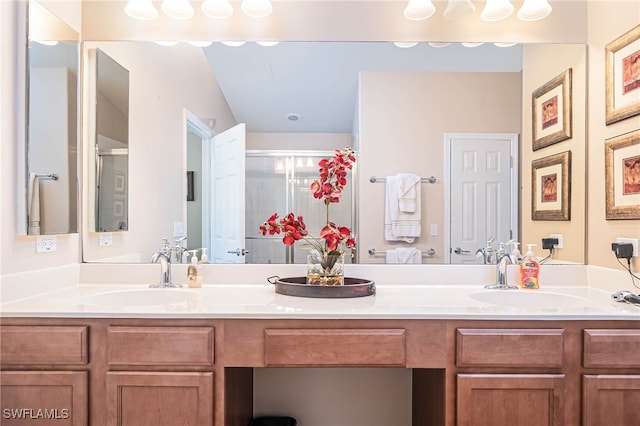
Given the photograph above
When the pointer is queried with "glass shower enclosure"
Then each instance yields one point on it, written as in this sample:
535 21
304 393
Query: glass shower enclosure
278 182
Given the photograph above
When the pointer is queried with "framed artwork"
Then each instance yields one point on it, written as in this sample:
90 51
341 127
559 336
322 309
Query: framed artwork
551 187
551 110
190 188
622 176
622 73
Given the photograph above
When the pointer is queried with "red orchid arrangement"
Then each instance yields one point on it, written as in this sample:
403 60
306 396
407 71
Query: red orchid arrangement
333 178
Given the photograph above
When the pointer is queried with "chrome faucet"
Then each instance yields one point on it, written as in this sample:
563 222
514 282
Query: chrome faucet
486 252
503 258
178 250
163 256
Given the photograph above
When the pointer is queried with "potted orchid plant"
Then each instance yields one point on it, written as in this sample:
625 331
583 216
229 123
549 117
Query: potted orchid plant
326 258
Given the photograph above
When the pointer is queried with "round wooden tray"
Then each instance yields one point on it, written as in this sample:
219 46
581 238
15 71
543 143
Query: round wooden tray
297 286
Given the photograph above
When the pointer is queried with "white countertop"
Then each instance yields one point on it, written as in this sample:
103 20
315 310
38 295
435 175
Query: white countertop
574 293
389 302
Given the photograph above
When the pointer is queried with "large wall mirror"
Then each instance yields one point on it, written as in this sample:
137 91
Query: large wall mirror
223 86
53 124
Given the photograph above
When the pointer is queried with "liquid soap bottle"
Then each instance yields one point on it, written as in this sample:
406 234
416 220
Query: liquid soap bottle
529 270
193 277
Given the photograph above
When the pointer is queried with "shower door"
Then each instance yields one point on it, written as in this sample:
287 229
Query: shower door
278 182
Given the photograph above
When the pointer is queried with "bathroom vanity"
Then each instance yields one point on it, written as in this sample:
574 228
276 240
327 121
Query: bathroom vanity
474 358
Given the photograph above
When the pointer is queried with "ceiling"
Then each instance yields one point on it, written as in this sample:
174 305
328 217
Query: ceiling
319 80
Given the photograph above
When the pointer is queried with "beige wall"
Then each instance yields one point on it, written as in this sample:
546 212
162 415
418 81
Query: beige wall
607 21
541 63
403 118
156 129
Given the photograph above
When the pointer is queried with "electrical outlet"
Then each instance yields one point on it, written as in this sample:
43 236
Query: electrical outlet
106 240
635 242
559 237
45 244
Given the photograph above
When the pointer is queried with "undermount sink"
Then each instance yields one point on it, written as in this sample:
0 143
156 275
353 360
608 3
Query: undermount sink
141 297
531 299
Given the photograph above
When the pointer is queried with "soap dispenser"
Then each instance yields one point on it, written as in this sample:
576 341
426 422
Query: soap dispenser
529 270
193 277
204 258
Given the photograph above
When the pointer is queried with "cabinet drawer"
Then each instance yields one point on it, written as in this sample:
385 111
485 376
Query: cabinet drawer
43 345
516 347
160 345
612 348
334 347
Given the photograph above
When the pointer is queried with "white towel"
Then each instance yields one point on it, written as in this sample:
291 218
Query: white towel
398 225
408 192
34 204
404 255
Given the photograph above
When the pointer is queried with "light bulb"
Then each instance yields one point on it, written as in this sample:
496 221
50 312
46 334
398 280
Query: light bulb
200 43
458 9
166 43
534 10
496 10
177 9
472 44
267 43
438 44
418 10
256 8
141 9
233 43
217 9
504 44
405 44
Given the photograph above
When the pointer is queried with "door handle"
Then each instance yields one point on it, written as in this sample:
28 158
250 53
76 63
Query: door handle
238 252
458 250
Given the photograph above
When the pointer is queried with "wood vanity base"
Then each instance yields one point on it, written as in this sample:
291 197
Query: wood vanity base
133 372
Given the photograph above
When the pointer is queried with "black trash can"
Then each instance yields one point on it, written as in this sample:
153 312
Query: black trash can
273 421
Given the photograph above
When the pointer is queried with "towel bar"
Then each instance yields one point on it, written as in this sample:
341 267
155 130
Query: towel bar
53 176
431 252
374 179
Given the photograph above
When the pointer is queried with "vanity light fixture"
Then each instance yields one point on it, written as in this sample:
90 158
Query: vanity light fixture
141 9
534 10
405 44
217 9
458 9
256 8
177 9
496 10
417 10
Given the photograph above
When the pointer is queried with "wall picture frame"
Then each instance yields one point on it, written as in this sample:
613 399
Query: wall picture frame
622 75
622 176
551 187
552 111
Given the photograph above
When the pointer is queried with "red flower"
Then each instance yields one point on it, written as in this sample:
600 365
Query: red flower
333 178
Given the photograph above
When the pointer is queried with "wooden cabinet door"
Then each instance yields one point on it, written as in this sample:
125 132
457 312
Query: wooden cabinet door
611 400
43 398
159 399
510 399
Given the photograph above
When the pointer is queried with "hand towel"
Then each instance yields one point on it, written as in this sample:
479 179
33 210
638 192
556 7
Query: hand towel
407 192
404 255
34 204
399 226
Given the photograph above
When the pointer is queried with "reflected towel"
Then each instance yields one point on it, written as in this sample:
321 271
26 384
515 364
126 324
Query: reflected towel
408 190
399 226
34 204
404 255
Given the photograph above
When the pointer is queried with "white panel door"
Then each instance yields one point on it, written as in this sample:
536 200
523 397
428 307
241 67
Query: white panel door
227 201
483 200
